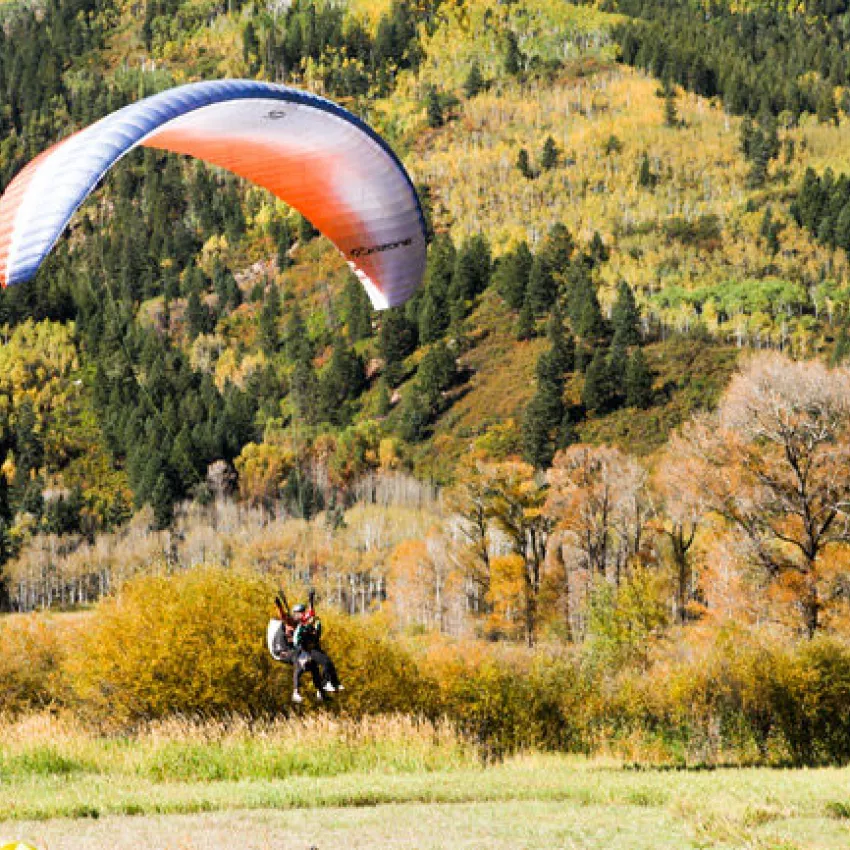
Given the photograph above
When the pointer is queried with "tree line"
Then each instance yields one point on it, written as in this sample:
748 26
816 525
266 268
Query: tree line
759 59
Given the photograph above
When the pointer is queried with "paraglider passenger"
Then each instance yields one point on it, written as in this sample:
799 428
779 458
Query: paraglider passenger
308 637
286 651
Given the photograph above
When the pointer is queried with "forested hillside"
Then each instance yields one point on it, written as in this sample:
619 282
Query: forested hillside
622 201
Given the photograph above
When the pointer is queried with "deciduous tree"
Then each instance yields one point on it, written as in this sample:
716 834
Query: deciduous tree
774 463
597 501
515 499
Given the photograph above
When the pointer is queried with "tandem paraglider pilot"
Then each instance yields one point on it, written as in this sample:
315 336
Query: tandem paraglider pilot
295 638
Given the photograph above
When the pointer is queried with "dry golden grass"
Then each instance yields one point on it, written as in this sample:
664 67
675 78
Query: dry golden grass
186 750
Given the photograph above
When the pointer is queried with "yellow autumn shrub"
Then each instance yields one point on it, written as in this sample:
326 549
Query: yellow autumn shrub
30 662
193 644
190 643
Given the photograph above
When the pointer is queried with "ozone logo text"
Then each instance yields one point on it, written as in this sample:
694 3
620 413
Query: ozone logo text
379 249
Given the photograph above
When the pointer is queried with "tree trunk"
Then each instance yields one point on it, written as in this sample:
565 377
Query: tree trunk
530 619
682 586
811 608
530 603
567 598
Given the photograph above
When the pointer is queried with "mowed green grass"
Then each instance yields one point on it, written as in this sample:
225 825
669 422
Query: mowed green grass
382 782
538 801
511 825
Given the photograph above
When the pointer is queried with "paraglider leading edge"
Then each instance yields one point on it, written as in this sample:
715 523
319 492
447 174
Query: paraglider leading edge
307 150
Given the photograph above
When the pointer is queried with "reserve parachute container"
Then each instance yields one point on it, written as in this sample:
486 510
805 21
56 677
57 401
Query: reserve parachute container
308 151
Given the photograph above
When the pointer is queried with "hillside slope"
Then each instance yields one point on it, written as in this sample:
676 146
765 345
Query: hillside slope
212 324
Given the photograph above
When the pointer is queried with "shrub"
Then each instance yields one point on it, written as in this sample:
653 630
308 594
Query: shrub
30 663
743 700
504 701
379 674
193 644
809 695
183 644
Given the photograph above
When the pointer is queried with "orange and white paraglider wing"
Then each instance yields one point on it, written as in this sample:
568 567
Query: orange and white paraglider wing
308 151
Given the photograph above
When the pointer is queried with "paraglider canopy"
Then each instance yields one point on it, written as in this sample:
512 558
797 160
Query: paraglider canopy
307 150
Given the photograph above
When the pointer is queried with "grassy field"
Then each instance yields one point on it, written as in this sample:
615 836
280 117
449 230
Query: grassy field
534 801
384 783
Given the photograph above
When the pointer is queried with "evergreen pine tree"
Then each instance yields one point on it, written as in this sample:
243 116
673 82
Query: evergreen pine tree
162 500
566 435
250 45
638 381
590 324
437 372
537 444
598 392
544 417
297 342
562 345
525 328
464 281
5 505
227 290
770 230
671 117
474 81
647 179
826 230
268 332
523 163
357 310
433 317
770 134
234 220
842 228
558 248
383 400
413 417
306 231
512 54
472 269
304 387
511 275
613 145
197 316
182 458
282 242
759 159
584 355
625 316
342 381
170 284
827 111
790 149
440 268
550 154
598 253
618 362
434 108
842 346
29 449
5 554
542 287
746 137
397 341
